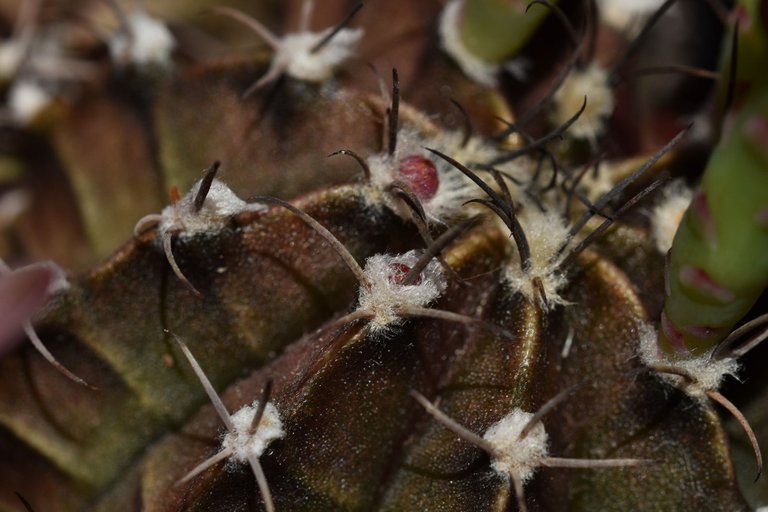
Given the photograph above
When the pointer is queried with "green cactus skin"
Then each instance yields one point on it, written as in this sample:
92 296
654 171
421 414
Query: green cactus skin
496 30
719 258
752 43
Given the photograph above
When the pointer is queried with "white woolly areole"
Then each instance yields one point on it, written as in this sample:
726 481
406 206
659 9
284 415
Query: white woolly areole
667 215
519 456
295 56
26 100
386 295
10 58
621 13
146 42
12 205
591 82
546 233
245 444
478 150
219 206
450 38
708 373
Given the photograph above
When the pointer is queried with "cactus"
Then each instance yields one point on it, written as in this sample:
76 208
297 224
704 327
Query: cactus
376 296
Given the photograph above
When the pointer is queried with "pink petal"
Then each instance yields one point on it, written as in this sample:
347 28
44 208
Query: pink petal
22 293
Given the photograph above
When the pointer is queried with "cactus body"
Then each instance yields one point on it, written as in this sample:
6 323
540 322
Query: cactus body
532 289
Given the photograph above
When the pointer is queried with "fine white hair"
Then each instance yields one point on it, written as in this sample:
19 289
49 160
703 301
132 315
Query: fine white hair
386 295
144 41
243 441
295 54
513 454
707 372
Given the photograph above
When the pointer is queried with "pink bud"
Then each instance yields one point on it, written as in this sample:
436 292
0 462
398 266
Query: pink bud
398 273
22 293
420 174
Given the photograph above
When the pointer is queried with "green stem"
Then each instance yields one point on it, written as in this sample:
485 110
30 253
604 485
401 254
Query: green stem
719 258
496 30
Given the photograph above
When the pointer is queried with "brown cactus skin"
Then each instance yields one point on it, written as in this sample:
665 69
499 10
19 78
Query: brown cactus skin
403 459
355 439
